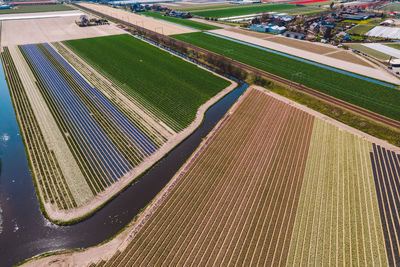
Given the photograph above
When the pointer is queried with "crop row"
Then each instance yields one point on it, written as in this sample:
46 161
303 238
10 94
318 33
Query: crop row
337 223
142 118
237 202
386 170
112 121
104 141
53 136
49 178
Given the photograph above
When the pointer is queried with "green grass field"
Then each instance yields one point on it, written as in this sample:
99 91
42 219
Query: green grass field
171 85
238 11
369 51
36 8
378 98
184 22
360 29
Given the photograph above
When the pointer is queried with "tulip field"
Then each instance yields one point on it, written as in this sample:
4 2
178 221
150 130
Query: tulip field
82 132
274 185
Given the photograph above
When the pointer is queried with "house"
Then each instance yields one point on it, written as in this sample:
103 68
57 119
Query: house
343 35
295 35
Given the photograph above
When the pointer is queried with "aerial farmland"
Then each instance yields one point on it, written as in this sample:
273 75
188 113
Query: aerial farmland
195 133
87 141
307 194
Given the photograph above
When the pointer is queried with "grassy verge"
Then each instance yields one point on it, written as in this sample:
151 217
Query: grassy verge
175 87
244 10
378 98
36 8
184 22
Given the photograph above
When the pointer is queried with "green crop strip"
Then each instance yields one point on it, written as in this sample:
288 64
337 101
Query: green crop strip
174 87
378 98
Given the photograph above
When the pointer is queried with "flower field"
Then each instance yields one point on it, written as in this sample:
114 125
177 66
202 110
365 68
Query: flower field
169 87
274 185
338 222
83 133
230 203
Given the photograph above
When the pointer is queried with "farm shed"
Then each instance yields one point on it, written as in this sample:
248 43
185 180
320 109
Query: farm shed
359 16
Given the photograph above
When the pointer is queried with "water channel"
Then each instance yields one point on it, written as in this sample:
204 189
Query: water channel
27 233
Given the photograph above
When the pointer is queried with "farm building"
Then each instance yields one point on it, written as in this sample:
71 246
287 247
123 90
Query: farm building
268 28
295 35
385 32
359 16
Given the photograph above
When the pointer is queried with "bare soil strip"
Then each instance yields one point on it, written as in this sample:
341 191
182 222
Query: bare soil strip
31 31
159 26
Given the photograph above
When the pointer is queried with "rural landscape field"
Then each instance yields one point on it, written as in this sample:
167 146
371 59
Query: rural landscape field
199 133
274 184
82 140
